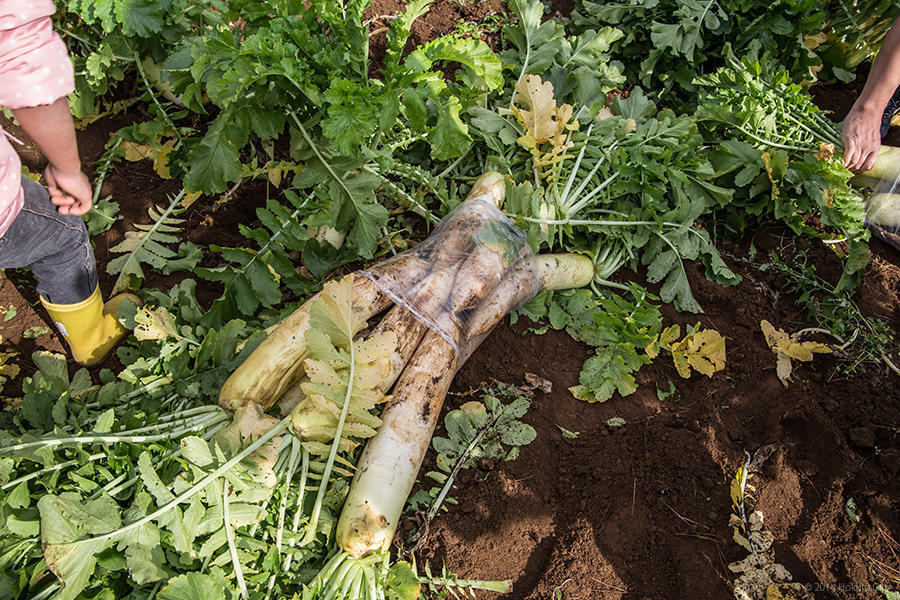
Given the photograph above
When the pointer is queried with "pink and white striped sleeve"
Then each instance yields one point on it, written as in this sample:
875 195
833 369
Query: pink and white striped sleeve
35 68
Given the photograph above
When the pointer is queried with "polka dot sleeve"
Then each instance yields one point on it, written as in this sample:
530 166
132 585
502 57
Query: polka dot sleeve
35 68
11 195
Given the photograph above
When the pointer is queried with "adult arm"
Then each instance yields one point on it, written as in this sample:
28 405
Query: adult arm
861 131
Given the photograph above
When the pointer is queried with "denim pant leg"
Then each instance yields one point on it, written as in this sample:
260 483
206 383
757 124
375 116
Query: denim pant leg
890 110
55 246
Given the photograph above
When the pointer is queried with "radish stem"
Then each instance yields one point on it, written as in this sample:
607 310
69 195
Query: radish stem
232 549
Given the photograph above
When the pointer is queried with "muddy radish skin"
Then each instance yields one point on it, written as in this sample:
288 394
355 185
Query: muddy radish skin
391 459
490 188
521 283
410 332
453 248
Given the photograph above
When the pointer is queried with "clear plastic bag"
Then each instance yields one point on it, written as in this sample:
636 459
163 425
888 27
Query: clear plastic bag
449 280
519 285
883 211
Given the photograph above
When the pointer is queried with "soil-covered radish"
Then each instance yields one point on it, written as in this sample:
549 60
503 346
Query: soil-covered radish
390 462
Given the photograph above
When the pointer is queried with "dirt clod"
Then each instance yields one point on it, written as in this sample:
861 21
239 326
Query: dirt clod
863 437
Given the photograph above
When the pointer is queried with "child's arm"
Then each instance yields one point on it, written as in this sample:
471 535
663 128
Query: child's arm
51 128
35 77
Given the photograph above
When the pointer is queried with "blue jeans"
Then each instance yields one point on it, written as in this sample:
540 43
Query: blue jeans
890 110
55 246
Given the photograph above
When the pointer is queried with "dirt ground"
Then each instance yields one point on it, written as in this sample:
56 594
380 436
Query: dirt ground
639 511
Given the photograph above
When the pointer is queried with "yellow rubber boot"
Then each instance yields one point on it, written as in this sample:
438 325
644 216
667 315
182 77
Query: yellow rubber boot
90 327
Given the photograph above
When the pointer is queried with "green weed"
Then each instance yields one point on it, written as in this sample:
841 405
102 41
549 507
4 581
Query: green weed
863 338
488 25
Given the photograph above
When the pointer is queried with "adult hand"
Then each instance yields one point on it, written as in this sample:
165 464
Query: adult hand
862 138
71 192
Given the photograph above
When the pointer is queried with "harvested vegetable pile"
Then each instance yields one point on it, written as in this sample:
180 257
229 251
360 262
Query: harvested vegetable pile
328 376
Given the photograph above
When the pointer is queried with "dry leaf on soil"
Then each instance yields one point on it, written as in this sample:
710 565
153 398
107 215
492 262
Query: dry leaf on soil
702 350
759 576
787 347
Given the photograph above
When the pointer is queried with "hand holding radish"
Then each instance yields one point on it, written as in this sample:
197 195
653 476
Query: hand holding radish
862 139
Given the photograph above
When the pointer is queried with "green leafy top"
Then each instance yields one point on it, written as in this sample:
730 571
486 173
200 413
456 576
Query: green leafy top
667 43
629 185
77 529
579 67
776 149
761 101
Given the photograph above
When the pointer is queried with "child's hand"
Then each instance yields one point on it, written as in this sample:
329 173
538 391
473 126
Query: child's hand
71 192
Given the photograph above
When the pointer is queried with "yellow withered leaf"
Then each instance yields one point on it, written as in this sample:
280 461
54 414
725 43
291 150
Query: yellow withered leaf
376 347
681 365
737 488
603 113
135 152
666 338
804 350
814 41
274 175
775 338
190 198
783 368
702 350
706 351
544 123
341 370
540 113
772 172
741 540
274 273
826 151
321 372
7 369
161 160
787 347
154 324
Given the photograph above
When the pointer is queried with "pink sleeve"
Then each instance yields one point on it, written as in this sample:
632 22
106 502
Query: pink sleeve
35 67
11 195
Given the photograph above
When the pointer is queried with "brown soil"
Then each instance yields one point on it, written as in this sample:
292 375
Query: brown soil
642 511
443 18
639 511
